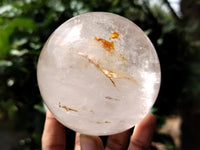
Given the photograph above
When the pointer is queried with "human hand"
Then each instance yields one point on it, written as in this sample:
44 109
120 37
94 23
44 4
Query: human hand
54 137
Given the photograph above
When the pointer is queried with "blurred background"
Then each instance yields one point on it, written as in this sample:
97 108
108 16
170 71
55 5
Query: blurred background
173 27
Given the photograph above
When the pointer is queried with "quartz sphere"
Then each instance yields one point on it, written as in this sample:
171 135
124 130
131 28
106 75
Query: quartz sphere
99 74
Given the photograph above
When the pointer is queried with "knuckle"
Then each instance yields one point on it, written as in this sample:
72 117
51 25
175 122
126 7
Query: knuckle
137 144
114 144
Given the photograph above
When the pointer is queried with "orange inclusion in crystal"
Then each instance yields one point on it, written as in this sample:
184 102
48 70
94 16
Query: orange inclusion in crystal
67 108
109 46
114 35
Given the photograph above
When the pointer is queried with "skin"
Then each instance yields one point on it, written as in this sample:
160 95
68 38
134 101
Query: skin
54 137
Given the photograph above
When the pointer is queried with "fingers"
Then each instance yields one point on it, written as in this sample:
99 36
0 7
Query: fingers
77 142
118 141
143 133
53 137
90 142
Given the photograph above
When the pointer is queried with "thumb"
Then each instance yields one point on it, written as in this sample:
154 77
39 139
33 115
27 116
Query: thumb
90 142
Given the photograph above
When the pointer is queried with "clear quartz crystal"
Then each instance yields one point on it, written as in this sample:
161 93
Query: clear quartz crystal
99 74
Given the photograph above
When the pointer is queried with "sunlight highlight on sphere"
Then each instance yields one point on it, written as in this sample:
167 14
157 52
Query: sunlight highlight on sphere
99 74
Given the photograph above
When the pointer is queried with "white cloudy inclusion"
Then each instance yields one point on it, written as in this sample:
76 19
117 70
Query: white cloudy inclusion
99 74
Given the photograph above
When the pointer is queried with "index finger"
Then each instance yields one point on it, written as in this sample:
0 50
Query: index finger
143 133
53 137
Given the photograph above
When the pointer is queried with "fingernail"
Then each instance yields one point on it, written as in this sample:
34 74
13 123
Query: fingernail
89 142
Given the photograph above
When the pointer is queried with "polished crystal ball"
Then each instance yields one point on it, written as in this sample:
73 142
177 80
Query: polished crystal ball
99 74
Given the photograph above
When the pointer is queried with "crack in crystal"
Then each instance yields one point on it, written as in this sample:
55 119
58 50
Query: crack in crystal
67 108
107 73
111 98
102 122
